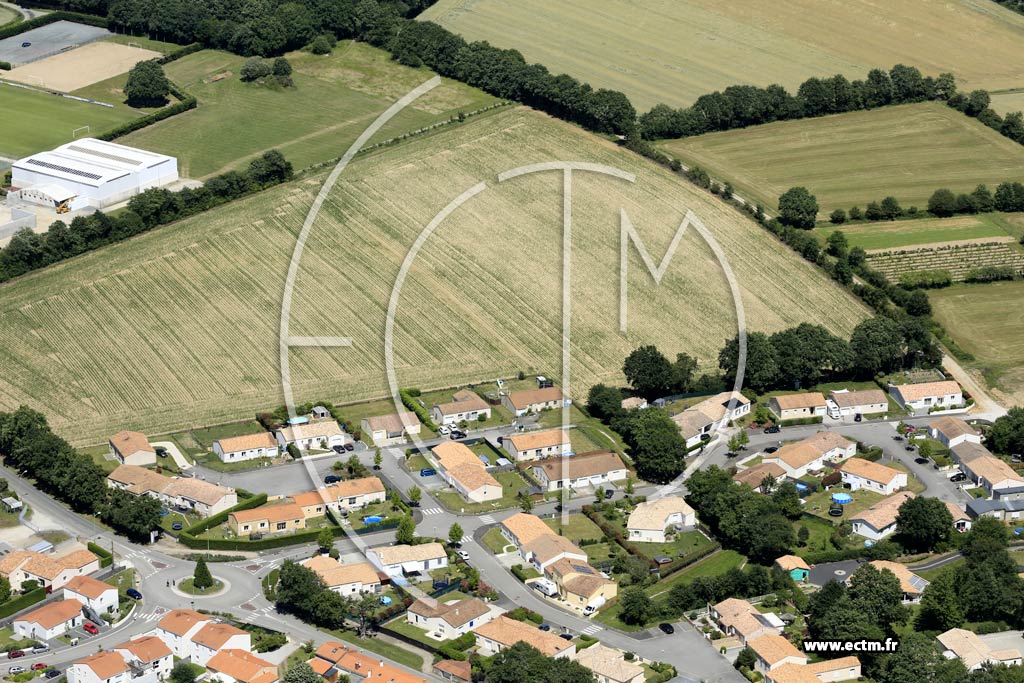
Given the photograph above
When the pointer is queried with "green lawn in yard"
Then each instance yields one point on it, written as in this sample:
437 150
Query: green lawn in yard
499 414
601 552
402 625
417 463
976 492
819 502
388 650
172 517
384 509
511 484
334 99
207 435
821 533
211 461
577 527
681 544
496 542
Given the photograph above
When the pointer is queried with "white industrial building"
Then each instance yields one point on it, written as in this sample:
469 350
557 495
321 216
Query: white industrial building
90 173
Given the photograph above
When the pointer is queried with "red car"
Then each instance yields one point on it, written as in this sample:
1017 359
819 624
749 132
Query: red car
90 628
14 654
39 666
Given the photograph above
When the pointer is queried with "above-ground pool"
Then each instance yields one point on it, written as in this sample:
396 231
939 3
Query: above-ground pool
372 519
842 498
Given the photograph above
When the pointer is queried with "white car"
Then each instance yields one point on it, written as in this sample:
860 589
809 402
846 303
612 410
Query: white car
442 430
464 555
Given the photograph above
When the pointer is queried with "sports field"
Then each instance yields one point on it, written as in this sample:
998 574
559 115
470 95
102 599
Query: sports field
673 51
82 66
889 235
335 97
845 160
986 321
33 121
115 338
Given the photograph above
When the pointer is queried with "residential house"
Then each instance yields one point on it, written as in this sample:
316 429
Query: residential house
952 431
826 671
864 474
634 403
579 471
49 621
198 497
312 436
396 560
350 494
958 643
533 400
987 471
332 659
810 454
961 520
698 422
240 666
609 665
795 566
772 651
861 402
147 654
1004 509
649 520
454 670
550 548
797 406
281 518
879 520
447 620
945 394
246 447
742 620
579 585
98 596
52 573
346 579
911 584
465 406
176 629
132 448
214 637
502 633
465 472
391 430
522 528
755 476
106 666
536 445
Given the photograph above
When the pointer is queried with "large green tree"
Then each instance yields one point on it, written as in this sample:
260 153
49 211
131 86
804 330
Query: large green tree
405 534
798 208
1007 433
302 673
523 663
657 447
940 604
147 86
648 371
923 523
636 607
761 366
182 672
919 660
877 346
201 577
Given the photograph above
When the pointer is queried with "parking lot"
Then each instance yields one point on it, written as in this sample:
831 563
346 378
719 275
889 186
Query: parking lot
48 40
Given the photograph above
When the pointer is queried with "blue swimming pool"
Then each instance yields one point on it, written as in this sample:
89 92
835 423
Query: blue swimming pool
372 519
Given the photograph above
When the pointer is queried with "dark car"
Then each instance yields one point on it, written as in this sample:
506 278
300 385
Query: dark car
897 438
338 449
909 447
177 526
332 479
14 654
133 593
772 429
545 627
26 44
771 449
608 493
349 447
667 628
921 461
52 673
858 417
428 472
161 453
565 636
959 476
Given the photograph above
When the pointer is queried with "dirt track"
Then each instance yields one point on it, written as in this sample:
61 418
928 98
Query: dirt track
80 67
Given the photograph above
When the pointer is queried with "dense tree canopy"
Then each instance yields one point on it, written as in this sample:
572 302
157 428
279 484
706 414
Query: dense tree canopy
798 208
523 663
147 86
923 524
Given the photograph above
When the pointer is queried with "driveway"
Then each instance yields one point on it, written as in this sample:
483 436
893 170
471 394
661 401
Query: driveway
176 455
821 574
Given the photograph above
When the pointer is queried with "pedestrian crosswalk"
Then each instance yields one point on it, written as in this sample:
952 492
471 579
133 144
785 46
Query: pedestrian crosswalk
464 540
487 519
592 630
432 511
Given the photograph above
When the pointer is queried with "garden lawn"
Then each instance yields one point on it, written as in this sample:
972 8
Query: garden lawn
389 650
496 542
511 484
406 629
577 528
682 544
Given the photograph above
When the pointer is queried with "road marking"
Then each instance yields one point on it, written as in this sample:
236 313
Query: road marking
464 540
592 630
432 511
487 519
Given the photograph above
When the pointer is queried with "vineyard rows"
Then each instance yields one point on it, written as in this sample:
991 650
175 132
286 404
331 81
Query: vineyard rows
957 260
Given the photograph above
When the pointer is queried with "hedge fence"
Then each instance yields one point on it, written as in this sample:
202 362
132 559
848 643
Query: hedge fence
21 602
106 557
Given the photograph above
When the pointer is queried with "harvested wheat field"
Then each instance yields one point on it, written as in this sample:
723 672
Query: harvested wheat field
673 51
82 66
179 327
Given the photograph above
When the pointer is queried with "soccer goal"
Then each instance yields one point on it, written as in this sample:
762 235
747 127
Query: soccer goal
134 44
84 129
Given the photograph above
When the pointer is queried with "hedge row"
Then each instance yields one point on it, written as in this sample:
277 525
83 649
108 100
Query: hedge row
221 517
106 557
179 53
801 421
19 603
612 532
298 538
412 404
517 571
189 102
60 15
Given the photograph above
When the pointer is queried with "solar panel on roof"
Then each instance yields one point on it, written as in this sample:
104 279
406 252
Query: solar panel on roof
582 568
105 155
64 169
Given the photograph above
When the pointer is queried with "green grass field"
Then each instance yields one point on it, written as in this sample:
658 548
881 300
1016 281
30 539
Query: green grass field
335 97
8 16
847 160
34 121
144 43
891 234
986 321
676 50
114 339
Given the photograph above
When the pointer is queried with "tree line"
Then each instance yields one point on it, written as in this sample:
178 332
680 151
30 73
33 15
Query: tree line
29 445
29 250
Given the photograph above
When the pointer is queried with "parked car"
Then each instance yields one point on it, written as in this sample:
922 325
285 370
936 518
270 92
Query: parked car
921 461
39 666
332 479
667 628
858 417
443 430
52 673
458 434
133 593
338 449
898 437
545 627
772 429
958 477
26 44
771 449
14 654
161 452
428 472
608 493
350 447
464 555
909 447
40 648
15 669
90 627
565 636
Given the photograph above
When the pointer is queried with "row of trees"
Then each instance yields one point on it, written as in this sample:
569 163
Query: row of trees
28 250
28 444
739 106
1009 196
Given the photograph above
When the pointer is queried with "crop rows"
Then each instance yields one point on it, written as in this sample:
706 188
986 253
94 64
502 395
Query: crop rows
957 260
